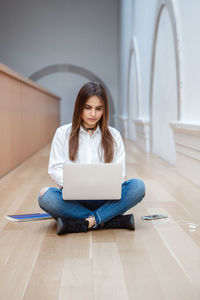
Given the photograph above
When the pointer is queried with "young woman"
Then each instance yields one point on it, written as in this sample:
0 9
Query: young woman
89 139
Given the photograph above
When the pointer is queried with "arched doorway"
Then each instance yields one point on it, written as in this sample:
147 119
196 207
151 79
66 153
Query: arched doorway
164 96
133 90
73 69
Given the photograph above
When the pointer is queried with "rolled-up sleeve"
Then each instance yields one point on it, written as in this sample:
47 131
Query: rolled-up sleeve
56 158
119 157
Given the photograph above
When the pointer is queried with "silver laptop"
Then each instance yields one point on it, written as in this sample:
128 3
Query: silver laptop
92 181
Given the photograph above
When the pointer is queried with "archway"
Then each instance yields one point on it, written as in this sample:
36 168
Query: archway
133 90
165 87
68 68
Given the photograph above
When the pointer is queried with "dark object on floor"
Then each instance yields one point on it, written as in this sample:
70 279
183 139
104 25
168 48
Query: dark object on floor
123 221
29 217
70 225
153 217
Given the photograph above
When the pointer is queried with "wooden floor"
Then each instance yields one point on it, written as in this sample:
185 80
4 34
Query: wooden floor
160 260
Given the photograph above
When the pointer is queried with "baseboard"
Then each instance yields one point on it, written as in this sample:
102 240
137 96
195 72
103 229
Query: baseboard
187 140
123 120
143 134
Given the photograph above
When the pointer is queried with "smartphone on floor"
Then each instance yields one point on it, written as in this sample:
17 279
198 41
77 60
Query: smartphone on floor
154 217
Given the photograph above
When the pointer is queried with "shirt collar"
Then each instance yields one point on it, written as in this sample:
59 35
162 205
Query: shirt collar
98 130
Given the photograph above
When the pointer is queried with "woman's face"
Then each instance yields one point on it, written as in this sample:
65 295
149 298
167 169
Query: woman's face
92 112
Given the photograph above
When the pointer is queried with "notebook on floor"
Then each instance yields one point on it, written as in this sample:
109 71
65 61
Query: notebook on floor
29 217
101 181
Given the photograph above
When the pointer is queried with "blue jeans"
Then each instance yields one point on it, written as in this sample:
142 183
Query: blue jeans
133 190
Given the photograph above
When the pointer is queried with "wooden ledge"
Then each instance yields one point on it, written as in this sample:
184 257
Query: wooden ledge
6 70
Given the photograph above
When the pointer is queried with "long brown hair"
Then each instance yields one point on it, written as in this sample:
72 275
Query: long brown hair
107 142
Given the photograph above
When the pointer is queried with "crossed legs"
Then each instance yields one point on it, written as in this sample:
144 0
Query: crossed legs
50 200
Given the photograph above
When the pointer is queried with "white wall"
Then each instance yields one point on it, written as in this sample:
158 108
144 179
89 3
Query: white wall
168 66
126 20
144 15
36 34
189 12
141 15
164 91
133 96
136 21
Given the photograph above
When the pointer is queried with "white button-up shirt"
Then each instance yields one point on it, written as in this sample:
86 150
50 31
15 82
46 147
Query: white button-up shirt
89 150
